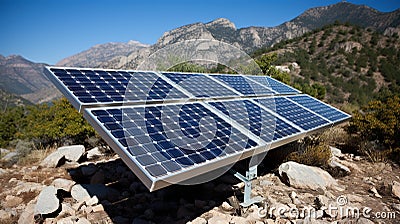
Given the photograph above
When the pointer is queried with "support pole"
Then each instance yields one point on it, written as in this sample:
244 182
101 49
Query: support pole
250 175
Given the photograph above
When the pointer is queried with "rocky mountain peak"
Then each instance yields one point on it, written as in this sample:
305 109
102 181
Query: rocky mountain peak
221 22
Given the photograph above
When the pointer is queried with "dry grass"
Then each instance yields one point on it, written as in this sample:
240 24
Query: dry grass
36 156
313 155
336 135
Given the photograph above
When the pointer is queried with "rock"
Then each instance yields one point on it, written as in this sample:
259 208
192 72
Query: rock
396 207
218 220
47 201
360 220
77 206
239 220
94 153
83 192
321 201
3 151
269 221
11 201
266 183
335 164
6 215
198 220
92 201
63 184
226 207
83 221
2 171
396 189
363 220
80 193
336 152
293 195
88 170
9 156
375 192
53 160
72 152
27 215
98 208
67 220
305 177
67 210
97 178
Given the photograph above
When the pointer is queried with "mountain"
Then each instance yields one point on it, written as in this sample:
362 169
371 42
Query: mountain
354 64
26 79
251 38
101 53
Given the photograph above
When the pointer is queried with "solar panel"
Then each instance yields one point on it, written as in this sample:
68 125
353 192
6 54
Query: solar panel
257 120
243 85
172 127
275 85
167 139
99 87
320 108
200 85
295 113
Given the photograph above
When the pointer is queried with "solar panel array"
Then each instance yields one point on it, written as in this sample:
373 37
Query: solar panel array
169 127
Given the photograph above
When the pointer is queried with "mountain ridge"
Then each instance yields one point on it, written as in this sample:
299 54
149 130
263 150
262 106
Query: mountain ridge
253 37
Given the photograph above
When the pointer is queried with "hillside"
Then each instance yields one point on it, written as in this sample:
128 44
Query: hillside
353 63
26 79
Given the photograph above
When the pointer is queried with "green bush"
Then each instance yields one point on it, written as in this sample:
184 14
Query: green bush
44 125
56 124
378 128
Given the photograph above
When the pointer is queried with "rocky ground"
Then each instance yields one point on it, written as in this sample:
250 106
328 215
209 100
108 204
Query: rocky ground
75 185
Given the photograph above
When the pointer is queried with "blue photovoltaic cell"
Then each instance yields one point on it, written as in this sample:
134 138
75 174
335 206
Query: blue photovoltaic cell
98 86
294 113
199 85
259 121
274 84
169 138
243 85
320 108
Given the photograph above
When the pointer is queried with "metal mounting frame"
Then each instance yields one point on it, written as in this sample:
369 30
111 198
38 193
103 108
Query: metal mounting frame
251 174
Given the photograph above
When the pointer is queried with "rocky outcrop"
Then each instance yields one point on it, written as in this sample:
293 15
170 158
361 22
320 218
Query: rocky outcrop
305 177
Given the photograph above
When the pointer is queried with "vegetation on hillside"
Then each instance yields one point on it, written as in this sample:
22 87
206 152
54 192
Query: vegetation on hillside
44 124
353 64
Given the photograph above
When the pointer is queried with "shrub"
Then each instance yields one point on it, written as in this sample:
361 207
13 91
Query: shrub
58 123
312 151
377 126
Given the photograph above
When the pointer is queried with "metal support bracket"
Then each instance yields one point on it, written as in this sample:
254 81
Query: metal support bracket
250 175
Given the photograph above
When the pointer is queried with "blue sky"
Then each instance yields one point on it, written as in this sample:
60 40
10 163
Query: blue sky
50 30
